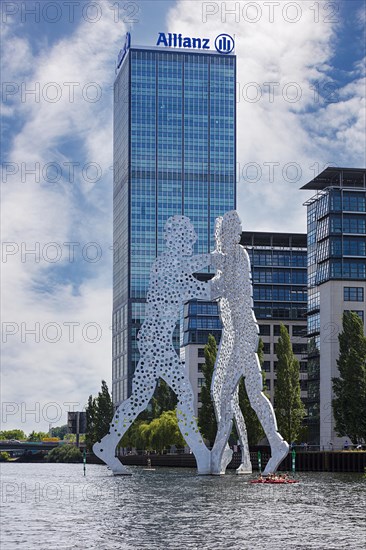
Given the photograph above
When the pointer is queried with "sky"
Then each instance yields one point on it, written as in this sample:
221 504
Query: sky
300 108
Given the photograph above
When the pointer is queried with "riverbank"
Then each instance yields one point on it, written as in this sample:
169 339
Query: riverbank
306 461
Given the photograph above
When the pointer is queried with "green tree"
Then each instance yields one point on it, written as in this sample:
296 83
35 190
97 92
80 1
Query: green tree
91 419
105 411
37 436
99 413
289 408
164 432
13 434
254 428
65 453
160 433
59 431
206 414
349 404
71 438
134 437
164 399
4 456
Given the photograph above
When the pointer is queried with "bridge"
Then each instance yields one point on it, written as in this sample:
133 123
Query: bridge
34 446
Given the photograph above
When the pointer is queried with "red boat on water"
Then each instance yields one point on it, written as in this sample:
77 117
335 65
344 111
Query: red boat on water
274 481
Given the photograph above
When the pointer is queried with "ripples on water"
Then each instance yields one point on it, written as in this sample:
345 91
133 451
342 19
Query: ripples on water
52 506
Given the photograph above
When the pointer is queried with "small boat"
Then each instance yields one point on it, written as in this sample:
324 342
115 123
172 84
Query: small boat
281 481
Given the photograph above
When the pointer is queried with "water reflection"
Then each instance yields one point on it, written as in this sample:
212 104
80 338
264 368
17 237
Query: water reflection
48 506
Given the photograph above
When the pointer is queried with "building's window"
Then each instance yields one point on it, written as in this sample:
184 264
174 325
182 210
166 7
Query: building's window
275 366
335 201
208 323
354 224
313 301
299 349
311 237
266 366
322 273
335 247
268 384
313 323
303 385
199 367
354 202
335 224
303 366
353 294
265 330
276 329
351 270
200 382
354 246
201 352
299 330
266 348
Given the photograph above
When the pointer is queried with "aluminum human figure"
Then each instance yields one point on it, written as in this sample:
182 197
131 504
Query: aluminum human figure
237 356
171 284
222 365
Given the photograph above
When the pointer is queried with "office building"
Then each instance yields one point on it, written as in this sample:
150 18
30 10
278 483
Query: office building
336 220
279 276
174 153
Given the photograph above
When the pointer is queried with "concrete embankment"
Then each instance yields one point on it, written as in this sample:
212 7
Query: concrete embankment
306 461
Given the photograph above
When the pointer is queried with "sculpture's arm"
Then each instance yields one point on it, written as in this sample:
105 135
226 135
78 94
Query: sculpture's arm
217 260
193 264
216 287
196 290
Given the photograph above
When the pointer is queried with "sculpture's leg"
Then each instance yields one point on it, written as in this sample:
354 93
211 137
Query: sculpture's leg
221 453
246 465
175 376
143 387
216 395
264 410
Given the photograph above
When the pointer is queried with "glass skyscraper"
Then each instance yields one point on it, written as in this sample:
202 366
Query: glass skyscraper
174 153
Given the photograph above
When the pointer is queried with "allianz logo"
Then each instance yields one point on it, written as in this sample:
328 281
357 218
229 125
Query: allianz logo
224 43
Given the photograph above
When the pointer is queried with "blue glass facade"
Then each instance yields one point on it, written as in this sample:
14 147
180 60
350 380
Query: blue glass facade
336 236
174 153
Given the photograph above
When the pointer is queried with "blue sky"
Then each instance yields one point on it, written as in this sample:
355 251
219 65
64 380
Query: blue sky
63 209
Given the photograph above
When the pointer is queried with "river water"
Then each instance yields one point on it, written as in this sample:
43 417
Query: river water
53 506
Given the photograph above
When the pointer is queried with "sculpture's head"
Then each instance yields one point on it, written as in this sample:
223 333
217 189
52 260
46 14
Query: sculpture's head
179 235
231 230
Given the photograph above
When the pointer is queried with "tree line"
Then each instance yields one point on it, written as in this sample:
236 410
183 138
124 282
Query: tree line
157 427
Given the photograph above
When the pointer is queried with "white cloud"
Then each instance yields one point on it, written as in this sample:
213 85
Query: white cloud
310 132
61 132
